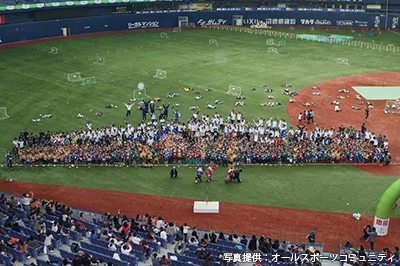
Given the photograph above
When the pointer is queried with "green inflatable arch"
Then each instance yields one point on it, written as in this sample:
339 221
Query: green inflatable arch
384 208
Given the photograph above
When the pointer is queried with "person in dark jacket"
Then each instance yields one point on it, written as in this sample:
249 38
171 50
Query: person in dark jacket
253 244
174 172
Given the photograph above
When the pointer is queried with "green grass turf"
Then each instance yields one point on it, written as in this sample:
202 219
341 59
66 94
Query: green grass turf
326 188
35 82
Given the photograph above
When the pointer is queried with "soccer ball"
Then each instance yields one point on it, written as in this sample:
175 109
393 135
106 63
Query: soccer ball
116 106
196 181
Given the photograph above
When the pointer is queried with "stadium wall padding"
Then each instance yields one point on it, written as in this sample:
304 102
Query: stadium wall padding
12 33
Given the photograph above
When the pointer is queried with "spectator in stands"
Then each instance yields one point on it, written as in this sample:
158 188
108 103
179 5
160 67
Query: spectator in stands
194 233
155 259
82 217
185 231
193 241
150 237
2 231
159 223
275 244
22 247
362 254
112 245
54 226
163 234
180 247
93 234
236 239
213 237
144 247
396 254
348 244
208 260
221 236
203 243
104 235
14 203
93 262
66 263
206 238
201 253
243 241
126 228
145 219
33 243
135 239
171 229
179 234
16 226
252 244
165 261
48 245
126 248
41 236
12 242
26 201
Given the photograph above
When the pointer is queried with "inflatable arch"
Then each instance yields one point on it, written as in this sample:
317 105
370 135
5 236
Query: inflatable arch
384 208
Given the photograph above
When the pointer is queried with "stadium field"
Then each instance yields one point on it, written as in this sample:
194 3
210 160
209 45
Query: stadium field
35 83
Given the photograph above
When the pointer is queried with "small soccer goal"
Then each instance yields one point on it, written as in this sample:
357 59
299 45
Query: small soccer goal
342 61
3 113
160 74
177 29
213 42
89 80
234 90
100 60
164 35
74 77
140 94
270 42
53 50
272 50
281 43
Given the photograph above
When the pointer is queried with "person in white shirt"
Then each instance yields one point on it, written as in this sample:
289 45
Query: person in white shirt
135 239
116 256
163 234
126 249
48 243
128 109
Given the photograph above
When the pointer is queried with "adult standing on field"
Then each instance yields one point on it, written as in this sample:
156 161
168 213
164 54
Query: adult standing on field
128 109
372 237
366 113
311 236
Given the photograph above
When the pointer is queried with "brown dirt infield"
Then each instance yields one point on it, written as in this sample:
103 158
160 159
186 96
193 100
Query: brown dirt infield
289 224
378 122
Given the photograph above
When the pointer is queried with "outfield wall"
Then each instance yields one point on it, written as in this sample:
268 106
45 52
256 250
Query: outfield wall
12 33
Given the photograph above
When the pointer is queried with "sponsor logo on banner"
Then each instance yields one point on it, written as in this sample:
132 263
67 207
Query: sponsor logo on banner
322 22
251 21
344 23
395 22
280 21
304 21
361 23
143 25
211 22
377 21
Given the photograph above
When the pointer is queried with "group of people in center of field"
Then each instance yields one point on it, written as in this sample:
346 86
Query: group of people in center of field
233 173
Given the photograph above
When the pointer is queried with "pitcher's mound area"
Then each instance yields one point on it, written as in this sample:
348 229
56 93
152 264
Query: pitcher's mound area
378 122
